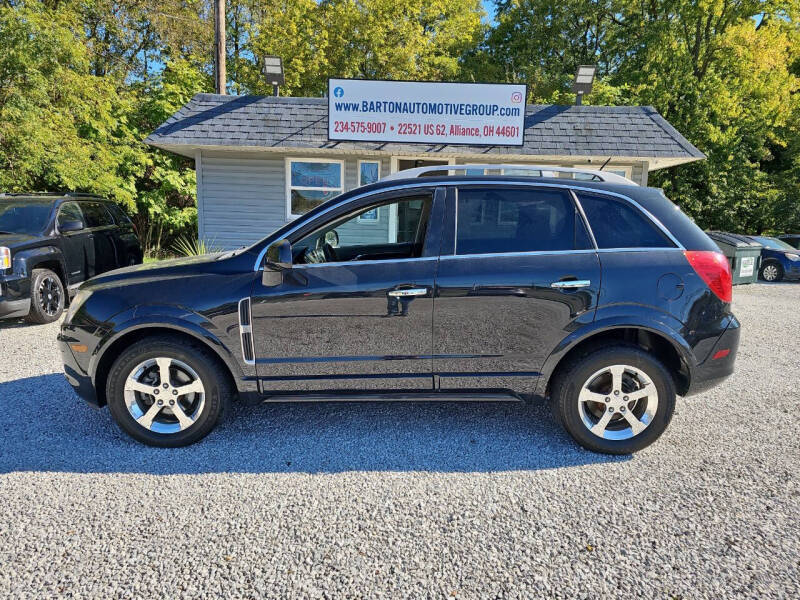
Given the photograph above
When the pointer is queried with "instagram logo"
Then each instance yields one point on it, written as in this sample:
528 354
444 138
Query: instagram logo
516 97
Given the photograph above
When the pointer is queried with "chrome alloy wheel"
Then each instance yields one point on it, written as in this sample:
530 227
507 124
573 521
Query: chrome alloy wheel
618 402
49 295
769 273
164 395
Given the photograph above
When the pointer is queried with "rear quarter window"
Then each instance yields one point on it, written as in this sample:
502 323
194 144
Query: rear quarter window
618 224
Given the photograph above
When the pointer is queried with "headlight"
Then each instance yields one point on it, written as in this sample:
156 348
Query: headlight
793 256
77 301
5 258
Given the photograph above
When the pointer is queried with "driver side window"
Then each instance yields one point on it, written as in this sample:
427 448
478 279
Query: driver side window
384 231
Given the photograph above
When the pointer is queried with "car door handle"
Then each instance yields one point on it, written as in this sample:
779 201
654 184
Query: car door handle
571 284
408 292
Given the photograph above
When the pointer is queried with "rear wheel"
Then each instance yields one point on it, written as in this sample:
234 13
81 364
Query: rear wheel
771 271
47 296
615 400
166 392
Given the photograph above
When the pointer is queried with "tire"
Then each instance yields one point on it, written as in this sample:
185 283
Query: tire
47 297
652 411
187 363
771 271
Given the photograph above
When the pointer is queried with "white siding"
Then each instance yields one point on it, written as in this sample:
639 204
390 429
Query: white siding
243 194
243 197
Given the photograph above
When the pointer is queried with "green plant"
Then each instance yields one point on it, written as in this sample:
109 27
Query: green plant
185 246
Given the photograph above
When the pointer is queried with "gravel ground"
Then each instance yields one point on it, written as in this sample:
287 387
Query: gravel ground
407 500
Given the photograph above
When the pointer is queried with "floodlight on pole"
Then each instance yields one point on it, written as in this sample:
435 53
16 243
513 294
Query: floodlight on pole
584 78
273 72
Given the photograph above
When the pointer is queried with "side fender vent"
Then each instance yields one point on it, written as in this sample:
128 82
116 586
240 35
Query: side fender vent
246 331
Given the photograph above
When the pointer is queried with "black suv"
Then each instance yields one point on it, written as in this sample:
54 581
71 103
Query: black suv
603 297
50 244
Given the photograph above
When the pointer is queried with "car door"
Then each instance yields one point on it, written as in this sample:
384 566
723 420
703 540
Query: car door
355 310
101 226
518 272
129 251
77 246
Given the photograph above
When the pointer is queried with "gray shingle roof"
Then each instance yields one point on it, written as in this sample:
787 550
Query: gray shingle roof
266 121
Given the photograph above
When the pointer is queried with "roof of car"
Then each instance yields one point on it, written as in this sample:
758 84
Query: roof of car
50 196
500 180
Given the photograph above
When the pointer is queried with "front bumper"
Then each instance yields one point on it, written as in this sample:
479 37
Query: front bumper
15 296
714 371
76 376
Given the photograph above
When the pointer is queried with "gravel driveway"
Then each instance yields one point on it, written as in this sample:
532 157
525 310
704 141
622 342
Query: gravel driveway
407 500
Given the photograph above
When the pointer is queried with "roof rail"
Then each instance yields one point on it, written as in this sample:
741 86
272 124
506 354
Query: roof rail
52 195
537 171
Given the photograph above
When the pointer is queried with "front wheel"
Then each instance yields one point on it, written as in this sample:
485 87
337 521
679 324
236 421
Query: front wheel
166 392
771 271
615 400
47 297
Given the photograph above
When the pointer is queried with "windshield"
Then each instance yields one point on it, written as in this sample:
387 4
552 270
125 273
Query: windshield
768 242
21 216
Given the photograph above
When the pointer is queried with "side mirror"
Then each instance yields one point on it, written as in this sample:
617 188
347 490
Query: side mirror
279 256
68 226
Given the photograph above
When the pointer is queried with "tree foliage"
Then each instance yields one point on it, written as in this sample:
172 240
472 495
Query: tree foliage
83 82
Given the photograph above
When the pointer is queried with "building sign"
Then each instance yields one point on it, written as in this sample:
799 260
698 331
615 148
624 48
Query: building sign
427 113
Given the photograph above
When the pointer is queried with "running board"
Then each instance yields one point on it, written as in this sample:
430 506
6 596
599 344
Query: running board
397 397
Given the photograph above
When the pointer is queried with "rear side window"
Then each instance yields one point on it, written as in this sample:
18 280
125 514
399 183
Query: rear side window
494 220
69 211
119 215
617 224
96 214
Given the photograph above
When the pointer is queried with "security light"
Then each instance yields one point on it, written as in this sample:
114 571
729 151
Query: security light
273 71
583 81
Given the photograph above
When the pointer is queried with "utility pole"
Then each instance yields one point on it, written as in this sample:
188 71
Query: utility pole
219 46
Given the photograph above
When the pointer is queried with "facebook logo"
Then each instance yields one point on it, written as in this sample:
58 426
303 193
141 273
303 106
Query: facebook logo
338 92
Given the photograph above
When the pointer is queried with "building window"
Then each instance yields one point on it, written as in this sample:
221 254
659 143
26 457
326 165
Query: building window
369 171
310 182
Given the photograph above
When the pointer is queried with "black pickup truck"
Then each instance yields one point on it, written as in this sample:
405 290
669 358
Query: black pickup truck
51 243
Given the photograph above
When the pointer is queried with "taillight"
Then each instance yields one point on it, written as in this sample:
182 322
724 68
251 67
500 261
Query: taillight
713 268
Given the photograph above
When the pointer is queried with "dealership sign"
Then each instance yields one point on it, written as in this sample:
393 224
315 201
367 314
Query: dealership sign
424 112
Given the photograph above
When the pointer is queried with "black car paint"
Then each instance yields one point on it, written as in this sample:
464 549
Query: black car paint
72 255
330 328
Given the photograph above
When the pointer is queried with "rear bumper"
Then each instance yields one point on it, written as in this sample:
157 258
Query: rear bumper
714 371
80 381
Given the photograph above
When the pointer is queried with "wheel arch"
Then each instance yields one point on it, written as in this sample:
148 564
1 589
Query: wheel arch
117 343
45 257
673 352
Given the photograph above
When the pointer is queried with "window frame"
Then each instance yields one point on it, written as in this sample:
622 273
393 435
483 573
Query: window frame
290 216
377 218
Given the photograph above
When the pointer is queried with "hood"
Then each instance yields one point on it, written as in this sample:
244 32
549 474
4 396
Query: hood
17 240
165 269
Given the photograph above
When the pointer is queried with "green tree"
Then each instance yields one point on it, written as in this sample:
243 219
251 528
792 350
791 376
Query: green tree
722 71
59 123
